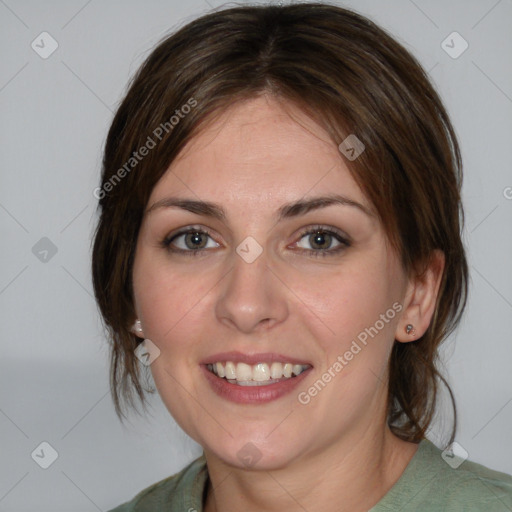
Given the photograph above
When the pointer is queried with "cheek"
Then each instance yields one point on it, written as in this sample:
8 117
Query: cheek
171 305
357 303
352 298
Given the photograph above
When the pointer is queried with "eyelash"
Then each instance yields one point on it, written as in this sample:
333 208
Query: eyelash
167 241
327 230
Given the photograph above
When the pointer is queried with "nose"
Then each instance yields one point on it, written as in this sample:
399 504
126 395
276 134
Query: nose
251 297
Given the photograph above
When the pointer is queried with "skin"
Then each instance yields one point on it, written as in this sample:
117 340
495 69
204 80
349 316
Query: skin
335 453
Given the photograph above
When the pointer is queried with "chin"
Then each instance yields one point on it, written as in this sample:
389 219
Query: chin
254 453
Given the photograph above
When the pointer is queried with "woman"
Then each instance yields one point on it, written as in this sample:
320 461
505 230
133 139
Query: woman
279 243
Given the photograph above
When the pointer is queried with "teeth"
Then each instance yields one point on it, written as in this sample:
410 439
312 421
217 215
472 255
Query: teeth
257 374
220 370
230 370
297 369
276 370
261 372
243 371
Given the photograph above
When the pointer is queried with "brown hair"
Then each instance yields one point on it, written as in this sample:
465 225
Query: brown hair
351 77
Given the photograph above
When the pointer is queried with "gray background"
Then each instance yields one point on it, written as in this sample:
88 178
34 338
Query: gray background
55 113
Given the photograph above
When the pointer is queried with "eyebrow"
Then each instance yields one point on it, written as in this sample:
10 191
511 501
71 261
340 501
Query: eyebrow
293 209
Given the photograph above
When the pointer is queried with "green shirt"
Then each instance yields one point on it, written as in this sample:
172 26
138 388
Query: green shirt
428 484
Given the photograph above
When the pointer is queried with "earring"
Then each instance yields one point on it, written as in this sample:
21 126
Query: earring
409 329
137 326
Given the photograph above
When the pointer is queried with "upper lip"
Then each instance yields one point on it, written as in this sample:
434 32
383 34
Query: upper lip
262 357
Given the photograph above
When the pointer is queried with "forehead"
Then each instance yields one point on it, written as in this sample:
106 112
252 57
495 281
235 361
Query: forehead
259 150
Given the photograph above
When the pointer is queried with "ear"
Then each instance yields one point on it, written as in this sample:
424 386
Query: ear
420 299
137 329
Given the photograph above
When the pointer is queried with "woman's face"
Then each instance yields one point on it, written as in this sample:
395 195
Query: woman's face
258 247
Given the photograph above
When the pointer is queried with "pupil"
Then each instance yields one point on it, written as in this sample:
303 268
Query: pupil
320 240
195 240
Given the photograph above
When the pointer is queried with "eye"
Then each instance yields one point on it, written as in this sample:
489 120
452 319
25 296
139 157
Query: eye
322 241
190 240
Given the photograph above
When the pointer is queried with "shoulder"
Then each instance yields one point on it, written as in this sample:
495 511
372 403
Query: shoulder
181 491
435 480
466 482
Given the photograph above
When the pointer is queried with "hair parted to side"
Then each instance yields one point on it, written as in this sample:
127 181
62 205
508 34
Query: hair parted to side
352 78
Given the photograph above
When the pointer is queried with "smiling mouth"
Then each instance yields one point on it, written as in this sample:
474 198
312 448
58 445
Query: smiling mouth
260 374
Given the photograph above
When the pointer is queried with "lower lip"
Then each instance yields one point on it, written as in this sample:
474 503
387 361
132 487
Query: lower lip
252 394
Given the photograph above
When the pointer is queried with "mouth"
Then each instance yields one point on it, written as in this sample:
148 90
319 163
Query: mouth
259 374
254 378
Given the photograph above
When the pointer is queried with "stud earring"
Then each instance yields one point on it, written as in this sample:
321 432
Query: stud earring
137 326
409 329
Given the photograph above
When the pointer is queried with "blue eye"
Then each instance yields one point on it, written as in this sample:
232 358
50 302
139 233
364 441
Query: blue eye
321 241
316 241
190 240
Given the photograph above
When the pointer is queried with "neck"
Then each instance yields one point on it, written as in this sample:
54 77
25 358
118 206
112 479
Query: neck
352 475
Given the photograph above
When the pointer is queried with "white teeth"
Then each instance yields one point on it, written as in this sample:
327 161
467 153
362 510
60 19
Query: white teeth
220 370
276 370
261 372
243 371
256 375
297 369
230 370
